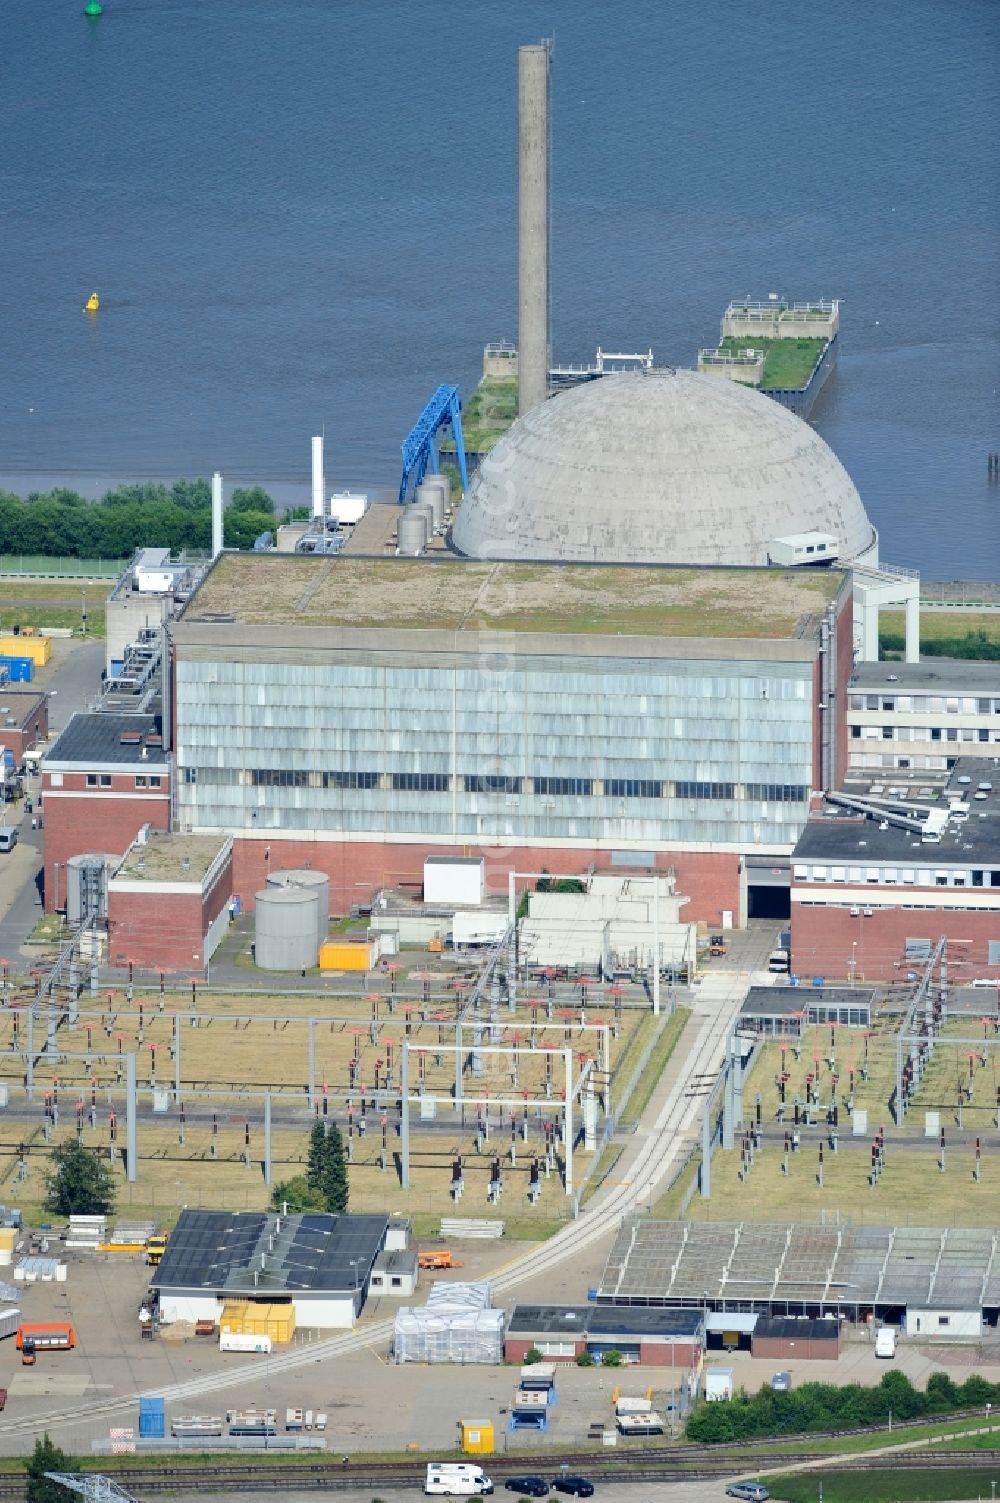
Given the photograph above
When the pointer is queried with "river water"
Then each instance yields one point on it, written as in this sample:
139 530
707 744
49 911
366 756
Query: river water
302 214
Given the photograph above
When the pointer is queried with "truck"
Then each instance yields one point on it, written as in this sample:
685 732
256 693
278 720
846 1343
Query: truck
456 1479
885 1342
440 1259
156 1246
43 1336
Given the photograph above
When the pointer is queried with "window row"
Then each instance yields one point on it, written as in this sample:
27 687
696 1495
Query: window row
981 734
496 783
918 704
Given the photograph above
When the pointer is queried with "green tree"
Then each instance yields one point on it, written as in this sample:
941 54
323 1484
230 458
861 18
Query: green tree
532 1356
298 1195
252 498
335 1183
80 1184
241 529
612 1358
316 1158
47 1458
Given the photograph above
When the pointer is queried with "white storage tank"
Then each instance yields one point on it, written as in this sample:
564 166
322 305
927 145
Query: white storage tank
444 486
432 495
411 534
425 510
318 882
287 929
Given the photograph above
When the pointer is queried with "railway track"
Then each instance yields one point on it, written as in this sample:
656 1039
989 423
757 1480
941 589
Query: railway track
655 1464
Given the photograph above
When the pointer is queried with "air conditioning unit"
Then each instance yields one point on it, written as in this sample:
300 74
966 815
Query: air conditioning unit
855 912
867 913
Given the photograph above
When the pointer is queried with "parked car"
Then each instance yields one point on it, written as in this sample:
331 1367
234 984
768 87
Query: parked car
753 1492
528 1487
577 1487
781 1382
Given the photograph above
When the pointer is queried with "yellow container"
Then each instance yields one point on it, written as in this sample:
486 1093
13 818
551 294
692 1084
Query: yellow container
477 1437
253 1318
348 955
39 649
8 1238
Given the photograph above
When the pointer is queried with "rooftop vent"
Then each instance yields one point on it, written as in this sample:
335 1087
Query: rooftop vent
153 738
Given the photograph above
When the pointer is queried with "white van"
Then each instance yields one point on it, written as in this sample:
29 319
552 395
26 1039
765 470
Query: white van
456 1479
885 1342
777 962
8 838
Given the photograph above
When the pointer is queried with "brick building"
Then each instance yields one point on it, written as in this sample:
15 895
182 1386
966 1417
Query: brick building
103 779
876 881
24 720
648 1337
168 902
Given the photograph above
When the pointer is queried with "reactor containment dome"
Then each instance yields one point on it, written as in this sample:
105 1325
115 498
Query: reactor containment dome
659 466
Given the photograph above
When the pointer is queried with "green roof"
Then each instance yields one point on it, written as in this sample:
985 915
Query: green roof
460 594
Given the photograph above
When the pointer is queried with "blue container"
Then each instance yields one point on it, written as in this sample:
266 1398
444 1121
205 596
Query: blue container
819 981
152 1419
21 670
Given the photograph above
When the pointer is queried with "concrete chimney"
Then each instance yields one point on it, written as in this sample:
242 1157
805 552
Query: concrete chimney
319 484
216 514
533 344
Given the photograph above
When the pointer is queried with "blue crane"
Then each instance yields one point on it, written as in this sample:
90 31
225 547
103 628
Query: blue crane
443 410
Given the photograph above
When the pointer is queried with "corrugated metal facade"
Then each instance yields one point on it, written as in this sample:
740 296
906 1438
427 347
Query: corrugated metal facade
636 752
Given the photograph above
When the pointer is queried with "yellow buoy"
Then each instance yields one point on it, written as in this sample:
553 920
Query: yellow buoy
93 303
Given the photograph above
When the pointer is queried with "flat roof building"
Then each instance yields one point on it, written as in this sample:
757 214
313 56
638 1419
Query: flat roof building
367 713
650 1336
789 1010
321 1263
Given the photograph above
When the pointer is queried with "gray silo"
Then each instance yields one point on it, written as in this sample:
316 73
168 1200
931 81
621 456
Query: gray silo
425 509
312 881
286 929
411 533
430 495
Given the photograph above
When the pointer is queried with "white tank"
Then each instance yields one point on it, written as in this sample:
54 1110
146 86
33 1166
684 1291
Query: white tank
429 494
312 881
286 929
411 533
444 486
425 510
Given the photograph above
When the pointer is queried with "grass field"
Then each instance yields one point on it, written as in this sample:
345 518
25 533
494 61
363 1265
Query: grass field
942 626
60 568
885 1485
52 603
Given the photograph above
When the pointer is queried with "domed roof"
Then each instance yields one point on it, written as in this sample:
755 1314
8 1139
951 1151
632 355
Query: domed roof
657 467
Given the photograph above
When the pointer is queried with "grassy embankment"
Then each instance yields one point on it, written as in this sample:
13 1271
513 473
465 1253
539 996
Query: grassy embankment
788 363
53 603
945 634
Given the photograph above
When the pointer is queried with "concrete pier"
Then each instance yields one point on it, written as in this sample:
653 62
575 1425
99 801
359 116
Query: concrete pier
533 225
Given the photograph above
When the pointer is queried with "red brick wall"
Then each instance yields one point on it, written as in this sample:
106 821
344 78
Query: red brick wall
782 1349
218 895
824 939
156 930
710 880
515 1349
678 1354
80 819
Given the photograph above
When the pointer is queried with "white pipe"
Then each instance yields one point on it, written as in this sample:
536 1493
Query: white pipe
216 514
319 484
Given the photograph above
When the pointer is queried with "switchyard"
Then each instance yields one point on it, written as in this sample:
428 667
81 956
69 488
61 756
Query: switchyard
442 1089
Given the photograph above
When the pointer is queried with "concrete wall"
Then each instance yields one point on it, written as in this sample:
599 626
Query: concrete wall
709 879
533 226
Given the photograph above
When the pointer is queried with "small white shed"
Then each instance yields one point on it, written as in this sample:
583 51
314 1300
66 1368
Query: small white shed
947 1323
459 880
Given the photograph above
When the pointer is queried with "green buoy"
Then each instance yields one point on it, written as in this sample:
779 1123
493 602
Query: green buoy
93 8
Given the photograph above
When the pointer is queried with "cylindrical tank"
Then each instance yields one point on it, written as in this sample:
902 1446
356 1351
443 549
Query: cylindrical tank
432 495
425 510
444 486
313 881
286 933
412 532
